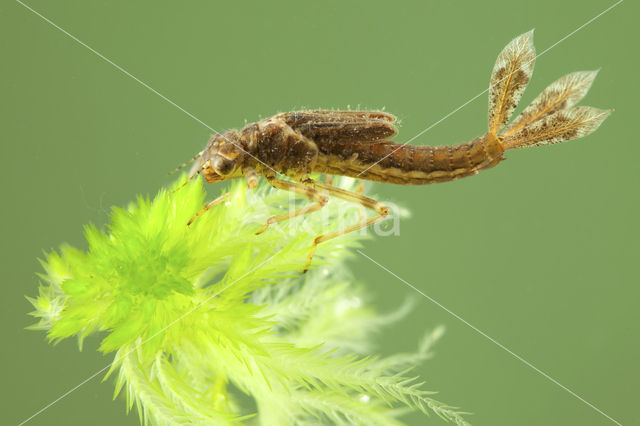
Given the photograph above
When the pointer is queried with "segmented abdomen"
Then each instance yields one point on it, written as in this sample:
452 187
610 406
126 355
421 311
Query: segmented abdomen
391 162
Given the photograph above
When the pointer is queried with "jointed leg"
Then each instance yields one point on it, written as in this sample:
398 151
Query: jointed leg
193 176
353 197
209 206
360 190
252 178
381 210
252 182
313 195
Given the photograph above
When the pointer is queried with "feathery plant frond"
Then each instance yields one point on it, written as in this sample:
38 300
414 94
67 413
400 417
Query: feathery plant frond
201 317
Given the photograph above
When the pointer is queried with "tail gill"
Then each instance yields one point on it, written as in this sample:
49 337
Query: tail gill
553 118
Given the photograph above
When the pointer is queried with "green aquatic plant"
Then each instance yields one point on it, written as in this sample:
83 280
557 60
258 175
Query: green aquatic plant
211 324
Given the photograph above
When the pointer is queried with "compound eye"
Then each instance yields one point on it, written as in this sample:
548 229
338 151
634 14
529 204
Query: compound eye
222 166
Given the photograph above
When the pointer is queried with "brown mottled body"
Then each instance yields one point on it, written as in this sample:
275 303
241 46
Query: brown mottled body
356 143
390 162
342 143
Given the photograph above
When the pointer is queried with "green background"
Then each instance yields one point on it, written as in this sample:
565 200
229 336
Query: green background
539 253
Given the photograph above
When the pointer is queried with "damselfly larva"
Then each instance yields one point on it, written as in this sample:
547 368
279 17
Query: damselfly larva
356 143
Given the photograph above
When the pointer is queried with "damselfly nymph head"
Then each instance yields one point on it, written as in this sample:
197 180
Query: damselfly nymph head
221 159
